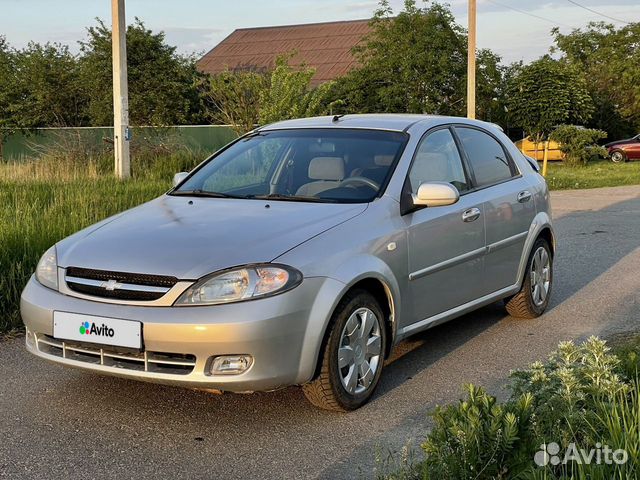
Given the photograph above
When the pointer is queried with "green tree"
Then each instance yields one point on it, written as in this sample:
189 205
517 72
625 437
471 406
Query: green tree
244 99
48 92
7 80
490 91
39 87
579 144
289 94
162 83
415 62
609 59
233 98
547 93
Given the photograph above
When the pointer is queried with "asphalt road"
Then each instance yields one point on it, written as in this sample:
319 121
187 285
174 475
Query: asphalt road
64 423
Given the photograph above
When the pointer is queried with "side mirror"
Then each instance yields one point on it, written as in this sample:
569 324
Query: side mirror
179 177
435 194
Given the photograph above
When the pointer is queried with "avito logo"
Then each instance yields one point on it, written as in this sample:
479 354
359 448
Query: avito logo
87 328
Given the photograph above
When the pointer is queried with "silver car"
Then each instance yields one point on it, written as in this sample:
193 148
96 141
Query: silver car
299 255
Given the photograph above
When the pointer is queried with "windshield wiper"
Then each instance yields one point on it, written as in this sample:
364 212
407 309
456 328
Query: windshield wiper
204 193
292 198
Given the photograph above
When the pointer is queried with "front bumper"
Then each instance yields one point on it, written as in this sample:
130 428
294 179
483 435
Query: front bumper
282 333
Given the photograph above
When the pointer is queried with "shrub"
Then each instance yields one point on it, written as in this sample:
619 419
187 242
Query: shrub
477 438
578 144
566 389
583 394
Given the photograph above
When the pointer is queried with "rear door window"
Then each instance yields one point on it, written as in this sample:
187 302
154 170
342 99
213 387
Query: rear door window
488 159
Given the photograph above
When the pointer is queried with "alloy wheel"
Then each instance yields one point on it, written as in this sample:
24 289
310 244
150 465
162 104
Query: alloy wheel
360 350
540 276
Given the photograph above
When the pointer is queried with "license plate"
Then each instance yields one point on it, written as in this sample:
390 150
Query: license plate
103 330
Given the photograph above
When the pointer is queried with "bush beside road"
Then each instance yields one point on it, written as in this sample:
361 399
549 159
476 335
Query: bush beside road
576 415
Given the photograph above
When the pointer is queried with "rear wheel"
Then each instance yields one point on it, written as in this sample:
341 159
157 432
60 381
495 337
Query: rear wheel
533 298
618 156
353 355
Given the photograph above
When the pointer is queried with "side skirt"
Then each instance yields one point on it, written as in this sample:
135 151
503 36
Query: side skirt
455 312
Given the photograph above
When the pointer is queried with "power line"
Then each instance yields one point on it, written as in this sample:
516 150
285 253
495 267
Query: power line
524 12
598 13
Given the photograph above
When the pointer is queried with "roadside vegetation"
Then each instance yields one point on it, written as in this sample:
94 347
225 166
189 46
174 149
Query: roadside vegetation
43 201
595 174
583 398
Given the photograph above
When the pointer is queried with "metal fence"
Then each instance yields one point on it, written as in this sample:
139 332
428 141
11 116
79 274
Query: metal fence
200 138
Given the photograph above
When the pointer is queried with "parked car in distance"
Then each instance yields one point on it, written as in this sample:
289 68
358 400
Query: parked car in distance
299 255
536 151
624 150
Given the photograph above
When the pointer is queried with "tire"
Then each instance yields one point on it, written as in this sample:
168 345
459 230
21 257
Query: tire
328 390
528 302
618 156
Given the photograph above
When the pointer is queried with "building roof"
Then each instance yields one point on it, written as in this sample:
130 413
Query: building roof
323 46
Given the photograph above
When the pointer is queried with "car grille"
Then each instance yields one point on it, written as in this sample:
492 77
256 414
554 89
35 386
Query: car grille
118 285
127 359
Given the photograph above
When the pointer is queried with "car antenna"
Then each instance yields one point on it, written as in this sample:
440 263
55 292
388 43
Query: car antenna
338 117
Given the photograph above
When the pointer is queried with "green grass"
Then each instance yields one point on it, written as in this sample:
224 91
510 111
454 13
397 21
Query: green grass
41 204
593 175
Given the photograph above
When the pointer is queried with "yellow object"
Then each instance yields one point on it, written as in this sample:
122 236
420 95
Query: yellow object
546 158
528 147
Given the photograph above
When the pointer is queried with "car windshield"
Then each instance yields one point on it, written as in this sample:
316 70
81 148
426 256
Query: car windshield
315 165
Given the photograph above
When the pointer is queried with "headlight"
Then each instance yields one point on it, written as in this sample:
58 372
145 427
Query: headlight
47 269
255 281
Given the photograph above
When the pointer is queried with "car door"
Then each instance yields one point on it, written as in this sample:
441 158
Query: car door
632 149
507 203
445 243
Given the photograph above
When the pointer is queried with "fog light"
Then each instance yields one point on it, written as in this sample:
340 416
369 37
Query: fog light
231 364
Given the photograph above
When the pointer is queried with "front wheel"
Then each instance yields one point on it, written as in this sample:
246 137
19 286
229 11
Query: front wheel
353 355
533 298
618 156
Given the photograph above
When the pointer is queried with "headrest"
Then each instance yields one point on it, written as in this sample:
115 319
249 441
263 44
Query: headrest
383 160
326 168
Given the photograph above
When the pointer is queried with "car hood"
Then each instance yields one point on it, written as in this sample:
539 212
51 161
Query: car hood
192 237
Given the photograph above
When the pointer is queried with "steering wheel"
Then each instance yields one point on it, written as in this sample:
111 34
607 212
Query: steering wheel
363 180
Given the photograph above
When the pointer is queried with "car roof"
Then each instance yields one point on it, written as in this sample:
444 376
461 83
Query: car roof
380 121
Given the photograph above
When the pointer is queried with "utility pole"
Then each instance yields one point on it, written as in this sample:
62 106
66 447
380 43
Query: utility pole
471 62
121 135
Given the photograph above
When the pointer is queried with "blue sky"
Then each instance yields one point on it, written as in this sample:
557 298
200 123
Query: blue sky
197 25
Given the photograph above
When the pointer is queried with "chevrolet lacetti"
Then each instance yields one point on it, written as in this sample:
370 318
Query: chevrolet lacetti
299 255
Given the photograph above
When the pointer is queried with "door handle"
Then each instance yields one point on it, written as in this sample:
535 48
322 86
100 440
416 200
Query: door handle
524 196
471 215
